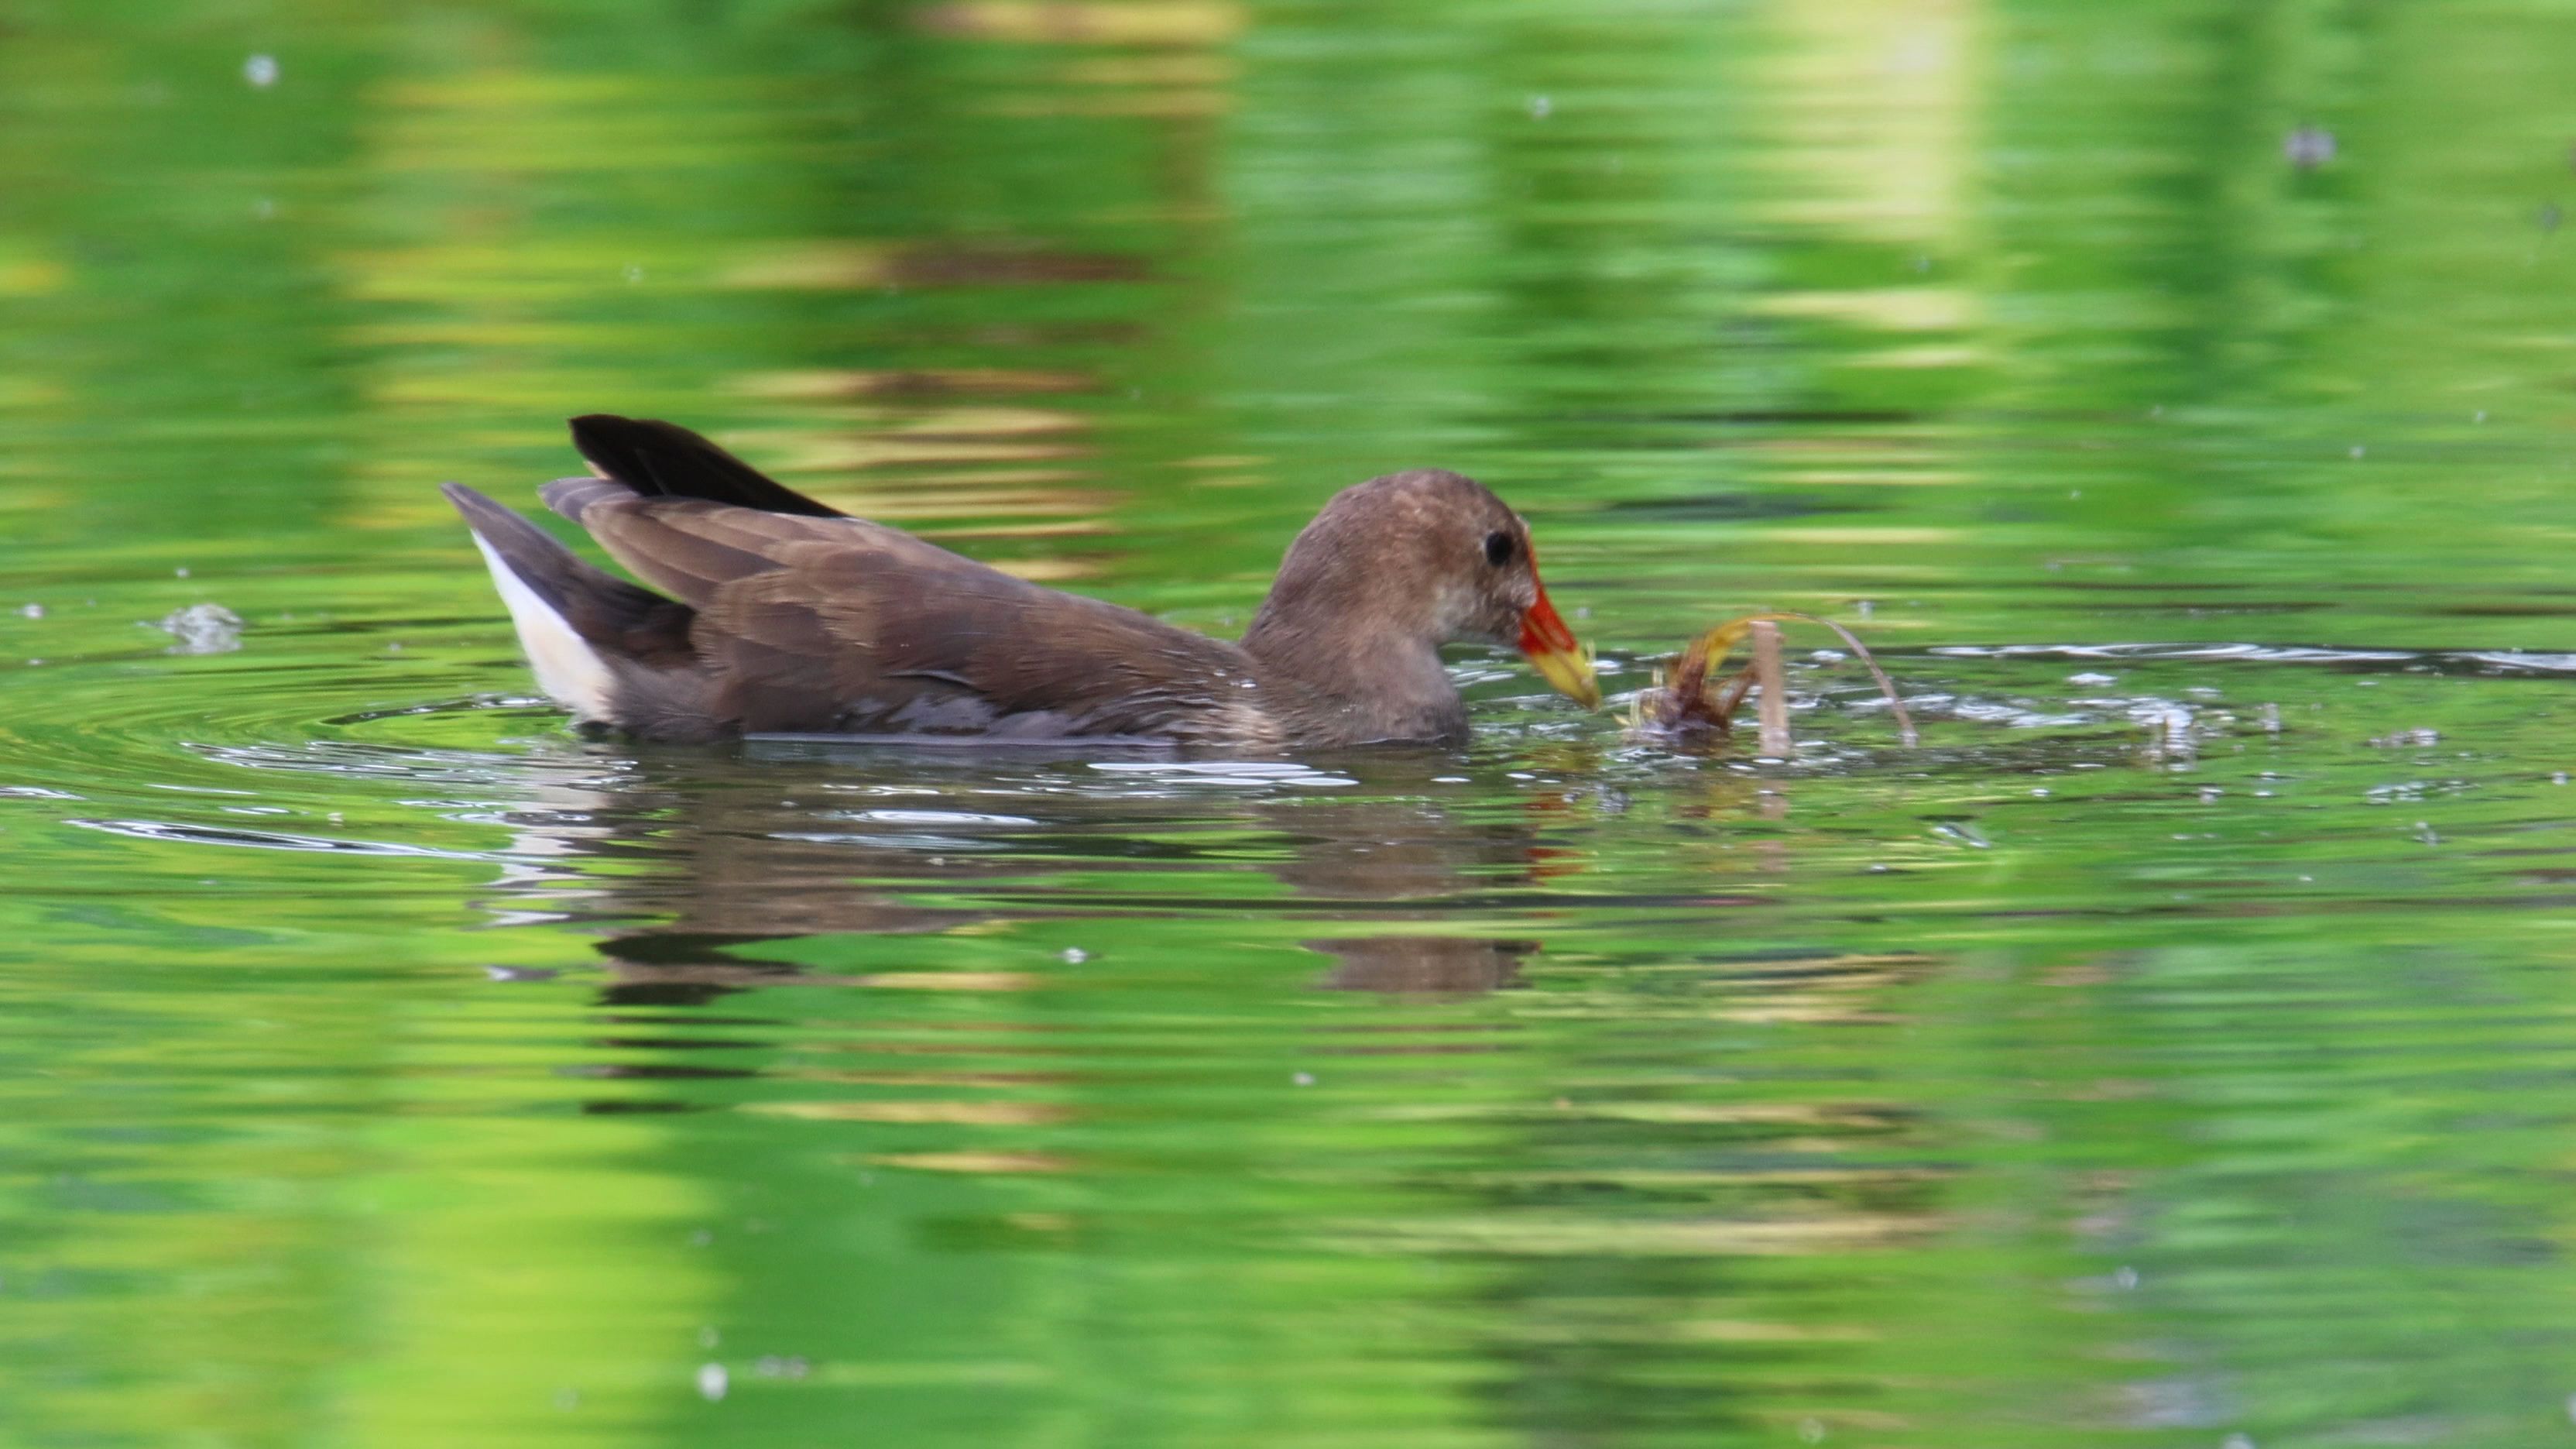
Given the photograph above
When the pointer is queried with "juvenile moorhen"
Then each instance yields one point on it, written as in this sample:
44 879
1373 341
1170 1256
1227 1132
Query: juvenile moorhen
792 617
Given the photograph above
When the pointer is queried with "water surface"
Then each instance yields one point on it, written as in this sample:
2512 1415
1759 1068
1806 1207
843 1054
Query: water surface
2175 1048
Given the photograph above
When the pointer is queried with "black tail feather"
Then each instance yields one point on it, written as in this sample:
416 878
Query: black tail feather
621 619
665 460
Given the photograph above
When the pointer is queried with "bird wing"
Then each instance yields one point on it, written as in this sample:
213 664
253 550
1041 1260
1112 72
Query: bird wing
840 624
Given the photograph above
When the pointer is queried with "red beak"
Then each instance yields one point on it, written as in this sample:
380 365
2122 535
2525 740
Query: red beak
1555 654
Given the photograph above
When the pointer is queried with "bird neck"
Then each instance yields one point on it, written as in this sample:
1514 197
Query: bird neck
1367 675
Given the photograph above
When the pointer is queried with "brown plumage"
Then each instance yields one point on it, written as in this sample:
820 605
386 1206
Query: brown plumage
786 616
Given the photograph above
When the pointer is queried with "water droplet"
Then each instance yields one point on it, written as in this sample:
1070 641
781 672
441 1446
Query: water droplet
260 71
1076 955
203 629
32 611
2359 451
712 1381
2125 1276
2309 147
1539 107
1303 1079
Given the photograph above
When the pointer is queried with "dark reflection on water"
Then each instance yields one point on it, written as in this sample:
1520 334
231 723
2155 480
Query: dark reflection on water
737 868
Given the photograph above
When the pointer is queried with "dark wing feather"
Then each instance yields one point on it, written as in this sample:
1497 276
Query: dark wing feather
839 624
665 460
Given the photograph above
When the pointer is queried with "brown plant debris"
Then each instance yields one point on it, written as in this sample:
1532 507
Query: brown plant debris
1693 702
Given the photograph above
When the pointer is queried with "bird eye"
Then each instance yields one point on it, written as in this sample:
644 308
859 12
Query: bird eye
1501 548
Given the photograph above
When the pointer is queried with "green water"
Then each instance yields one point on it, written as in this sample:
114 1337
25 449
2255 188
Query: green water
2181 1045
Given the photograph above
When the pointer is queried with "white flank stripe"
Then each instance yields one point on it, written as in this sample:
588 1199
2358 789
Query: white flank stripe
567 669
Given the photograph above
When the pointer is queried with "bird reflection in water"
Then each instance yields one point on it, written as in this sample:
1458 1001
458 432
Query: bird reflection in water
742 860
1613 1186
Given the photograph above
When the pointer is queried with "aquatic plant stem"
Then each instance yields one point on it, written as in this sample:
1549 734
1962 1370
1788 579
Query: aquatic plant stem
1776 741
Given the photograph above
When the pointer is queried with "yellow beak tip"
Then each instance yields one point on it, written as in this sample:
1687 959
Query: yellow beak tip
1570 673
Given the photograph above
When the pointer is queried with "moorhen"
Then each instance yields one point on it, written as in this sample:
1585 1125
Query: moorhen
792 617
